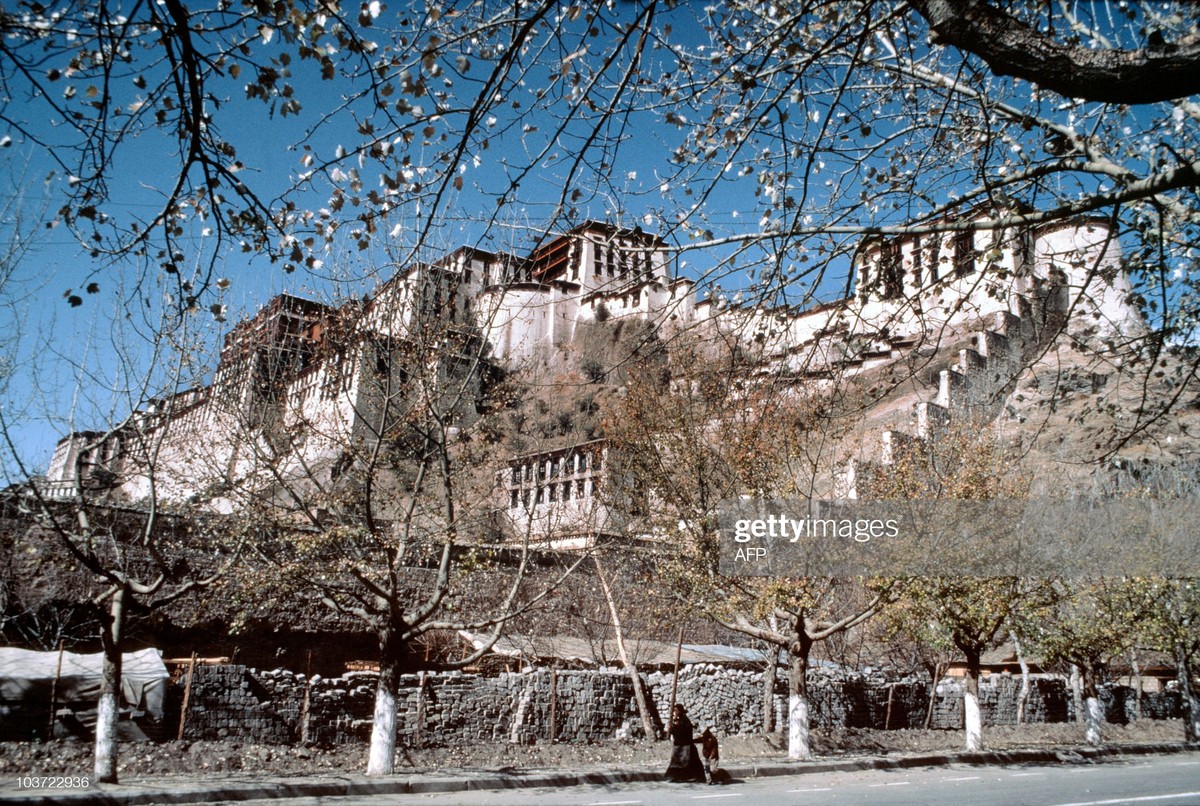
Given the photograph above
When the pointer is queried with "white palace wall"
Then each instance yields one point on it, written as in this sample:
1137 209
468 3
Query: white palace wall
906 288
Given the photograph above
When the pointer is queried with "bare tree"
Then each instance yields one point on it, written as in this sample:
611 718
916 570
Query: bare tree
110 558
365 449
702 430
810 611
40 605
781 142
142 557
1162 70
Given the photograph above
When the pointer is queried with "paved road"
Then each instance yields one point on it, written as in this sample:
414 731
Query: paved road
1167 780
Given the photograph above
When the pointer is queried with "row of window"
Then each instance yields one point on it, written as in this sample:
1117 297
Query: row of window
566 465
926 263
622 263
568 490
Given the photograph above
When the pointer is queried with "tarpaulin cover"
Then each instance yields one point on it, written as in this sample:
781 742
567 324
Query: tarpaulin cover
26 675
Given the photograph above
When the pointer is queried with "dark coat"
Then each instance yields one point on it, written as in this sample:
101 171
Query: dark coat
685 761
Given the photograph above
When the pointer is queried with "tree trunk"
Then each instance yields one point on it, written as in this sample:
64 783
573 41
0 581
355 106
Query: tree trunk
1191 697
972 714
1092 709
768 691
1077 694
1023 696
109 706
936 670
381 759
1136 668
799 744
639 693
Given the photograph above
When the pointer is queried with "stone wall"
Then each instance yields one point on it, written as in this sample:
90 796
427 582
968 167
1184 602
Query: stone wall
730 700
229 701
453 708
1049 701
444 708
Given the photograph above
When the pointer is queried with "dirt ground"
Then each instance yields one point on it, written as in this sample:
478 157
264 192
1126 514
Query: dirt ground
147 758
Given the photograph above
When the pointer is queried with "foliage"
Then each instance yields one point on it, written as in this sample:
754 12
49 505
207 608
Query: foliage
1094 621
1173 624
963 461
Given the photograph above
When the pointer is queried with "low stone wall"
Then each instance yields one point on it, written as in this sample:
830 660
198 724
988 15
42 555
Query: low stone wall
446 708
233 701
1049 701
453 708
730 700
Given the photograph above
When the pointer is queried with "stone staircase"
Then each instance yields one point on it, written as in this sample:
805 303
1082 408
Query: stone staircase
971 390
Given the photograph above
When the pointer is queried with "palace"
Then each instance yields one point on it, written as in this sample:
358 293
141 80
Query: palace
294 382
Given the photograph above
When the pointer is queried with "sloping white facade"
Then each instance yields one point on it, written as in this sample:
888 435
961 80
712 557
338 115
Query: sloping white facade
277 368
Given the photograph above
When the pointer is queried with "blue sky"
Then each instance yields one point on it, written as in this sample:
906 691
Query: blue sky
66 369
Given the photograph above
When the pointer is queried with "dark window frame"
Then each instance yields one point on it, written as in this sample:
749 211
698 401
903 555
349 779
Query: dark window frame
965 253
891 269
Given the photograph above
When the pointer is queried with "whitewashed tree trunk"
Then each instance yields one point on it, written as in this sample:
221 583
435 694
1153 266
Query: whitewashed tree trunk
972 713
1192 725
799 741
973 721
1093 712
1095 718
635 677
382 757
108 708
1077 693
1137 684
107 714
799 744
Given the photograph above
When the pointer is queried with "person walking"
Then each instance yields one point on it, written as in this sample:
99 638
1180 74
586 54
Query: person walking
685 761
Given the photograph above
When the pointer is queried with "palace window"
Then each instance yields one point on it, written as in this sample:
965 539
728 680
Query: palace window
964 253
891 269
